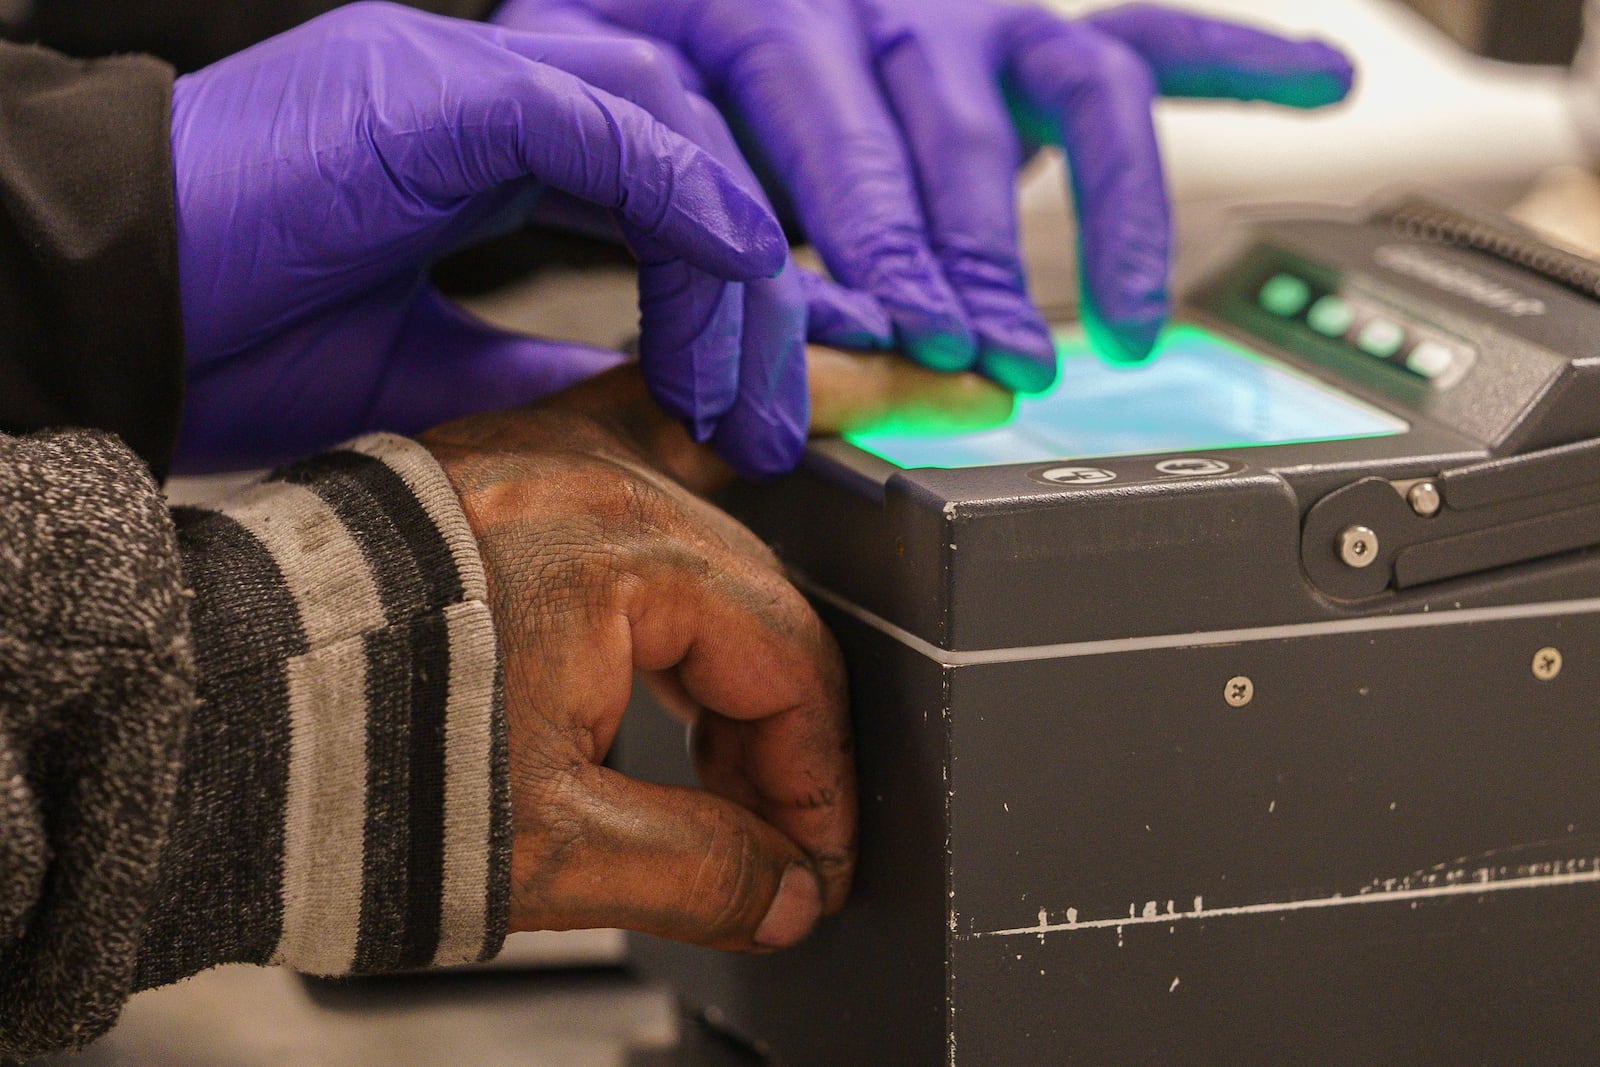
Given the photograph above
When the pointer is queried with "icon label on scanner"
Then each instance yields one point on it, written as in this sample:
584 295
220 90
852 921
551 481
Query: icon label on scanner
1136 470
1195 467
1077 475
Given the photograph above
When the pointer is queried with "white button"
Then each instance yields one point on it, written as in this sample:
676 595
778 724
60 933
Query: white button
1381 338
1430 359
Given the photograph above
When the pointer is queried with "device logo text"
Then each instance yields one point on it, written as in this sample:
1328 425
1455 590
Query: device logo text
1439 272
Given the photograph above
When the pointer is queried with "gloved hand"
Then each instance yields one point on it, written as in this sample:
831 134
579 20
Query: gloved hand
318 175
752 411
897 126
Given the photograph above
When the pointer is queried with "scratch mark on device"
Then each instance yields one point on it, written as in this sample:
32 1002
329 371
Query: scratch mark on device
1411 888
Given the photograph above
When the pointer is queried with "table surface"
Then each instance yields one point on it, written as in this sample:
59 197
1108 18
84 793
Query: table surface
1418 117
241 1016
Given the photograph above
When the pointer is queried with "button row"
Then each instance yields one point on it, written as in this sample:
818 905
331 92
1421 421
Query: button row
1331 315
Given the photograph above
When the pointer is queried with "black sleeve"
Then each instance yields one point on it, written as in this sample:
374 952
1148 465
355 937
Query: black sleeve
91 334
187 33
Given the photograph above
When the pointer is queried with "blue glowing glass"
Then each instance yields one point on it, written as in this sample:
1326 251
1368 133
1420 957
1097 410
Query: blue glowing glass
1201 392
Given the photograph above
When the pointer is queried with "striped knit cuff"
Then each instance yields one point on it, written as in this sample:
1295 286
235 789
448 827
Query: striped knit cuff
344 806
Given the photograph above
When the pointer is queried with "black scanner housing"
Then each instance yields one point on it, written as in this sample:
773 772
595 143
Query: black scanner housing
1076 849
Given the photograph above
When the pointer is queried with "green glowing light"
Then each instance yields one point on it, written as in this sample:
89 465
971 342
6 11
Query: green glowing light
1330 316
1285 295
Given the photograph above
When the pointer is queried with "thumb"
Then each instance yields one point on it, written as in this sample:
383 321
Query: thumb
446 364
678 863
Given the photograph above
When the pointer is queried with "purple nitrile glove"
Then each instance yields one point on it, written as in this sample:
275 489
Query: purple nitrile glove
320 173
897 127
657 77
761 411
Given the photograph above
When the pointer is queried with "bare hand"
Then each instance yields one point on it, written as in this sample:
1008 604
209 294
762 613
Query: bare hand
598 566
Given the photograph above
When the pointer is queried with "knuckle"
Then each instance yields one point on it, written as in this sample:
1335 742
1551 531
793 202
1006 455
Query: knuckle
1074 64
363 22
786 12
893 260
648 61
1119 63
969 131
1106 61
986 270
649 76
363 12
772 22
764 557
707 112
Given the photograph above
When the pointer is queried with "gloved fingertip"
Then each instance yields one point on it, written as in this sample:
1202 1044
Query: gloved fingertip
844 318
702 427
943 351
1126 342
756 231
728 232
1326 77
930 324
769 252
849 338
699 414
1018 372
1017 350
762 446
763 464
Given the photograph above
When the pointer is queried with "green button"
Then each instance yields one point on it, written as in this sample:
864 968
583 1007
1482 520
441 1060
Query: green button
1285 295
1381 338
1330 316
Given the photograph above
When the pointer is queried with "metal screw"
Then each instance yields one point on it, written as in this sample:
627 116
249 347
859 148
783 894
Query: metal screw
1424 499
1358 546
1239 691
1546 663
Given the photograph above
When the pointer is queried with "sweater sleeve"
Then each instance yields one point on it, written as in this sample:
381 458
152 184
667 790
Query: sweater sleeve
350 720
91 333
319 778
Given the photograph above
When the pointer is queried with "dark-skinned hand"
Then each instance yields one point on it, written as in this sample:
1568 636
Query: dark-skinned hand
602 563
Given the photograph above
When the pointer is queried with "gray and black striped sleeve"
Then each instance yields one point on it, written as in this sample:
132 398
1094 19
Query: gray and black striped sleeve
343 805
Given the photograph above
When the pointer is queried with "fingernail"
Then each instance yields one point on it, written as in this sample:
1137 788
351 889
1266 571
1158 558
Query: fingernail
794 911
1018 373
